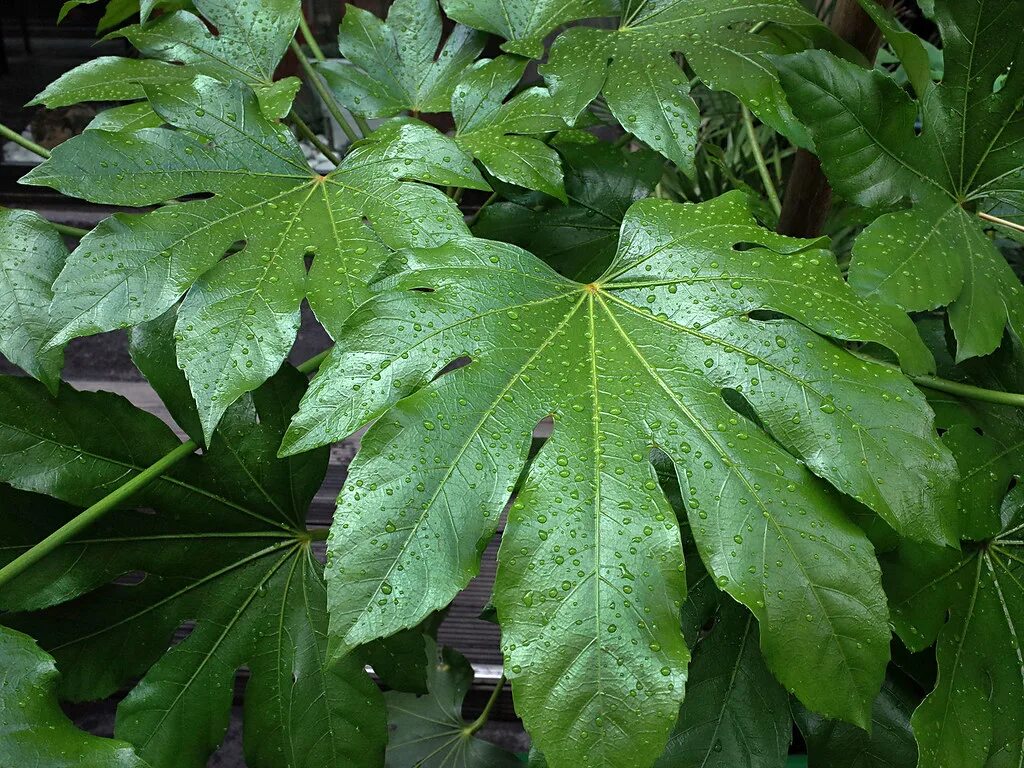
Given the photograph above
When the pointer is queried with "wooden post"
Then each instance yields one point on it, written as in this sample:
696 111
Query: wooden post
808 196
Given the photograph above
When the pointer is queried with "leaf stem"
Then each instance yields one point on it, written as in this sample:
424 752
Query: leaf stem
70 231
309 40
87 517
762 167
481 721
28 144
118 496
321 90
312 138
969 391
473 219
1001 222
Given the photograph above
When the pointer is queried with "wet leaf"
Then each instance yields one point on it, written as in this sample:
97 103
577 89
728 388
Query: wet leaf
32 253
966 156
227 547
241 313
178 46
391 67
590 575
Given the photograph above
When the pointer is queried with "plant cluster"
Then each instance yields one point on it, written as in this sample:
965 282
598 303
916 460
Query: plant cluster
779 479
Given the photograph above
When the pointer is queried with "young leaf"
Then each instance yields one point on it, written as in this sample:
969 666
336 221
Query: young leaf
735 713
890 743
525 23
391 67
34 733
31 255
645 89
577 239
636 359
495 133
975 715
250 40
428 731
241 313
968 151
227 548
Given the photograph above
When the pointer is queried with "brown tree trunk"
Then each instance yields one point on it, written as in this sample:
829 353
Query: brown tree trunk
808 197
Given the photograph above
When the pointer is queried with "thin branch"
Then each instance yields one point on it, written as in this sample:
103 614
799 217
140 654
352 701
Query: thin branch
321 90
476 216
28 144
481 721
969 391
1001 222
310 41
312 138
762 167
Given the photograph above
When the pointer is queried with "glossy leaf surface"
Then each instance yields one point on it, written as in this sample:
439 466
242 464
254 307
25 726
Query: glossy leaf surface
390 66
591 563
227 547
967 154
179 46
34 732
645 89
241 313
32 254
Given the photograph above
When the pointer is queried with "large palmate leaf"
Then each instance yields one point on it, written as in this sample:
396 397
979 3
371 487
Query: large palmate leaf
579 238
975 715
241 313
428 731
227 547
34 733
649 95
496 132
394 66
525 23
250 40
31 255
890 743
970 150
735 713
591 567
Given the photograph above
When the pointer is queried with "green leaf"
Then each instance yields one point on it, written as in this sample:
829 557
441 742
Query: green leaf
735 713
241 313
496 132
973 603
890 744
578 239
910 50
249 43
127 117
967 152
525 23
31 255
226 548
591 565
152 350
646 90
428 731
391 67
34 733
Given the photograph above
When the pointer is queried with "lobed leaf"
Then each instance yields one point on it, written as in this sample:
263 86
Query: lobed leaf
590 573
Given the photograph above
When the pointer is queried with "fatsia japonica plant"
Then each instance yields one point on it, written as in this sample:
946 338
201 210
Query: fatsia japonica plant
756 494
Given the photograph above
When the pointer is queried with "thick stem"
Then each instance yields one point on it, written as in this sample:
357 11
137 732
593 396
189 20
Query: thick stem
808 197
969 391
1001 222
119 496
321 90
762 167
20 140
87 517
481 721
